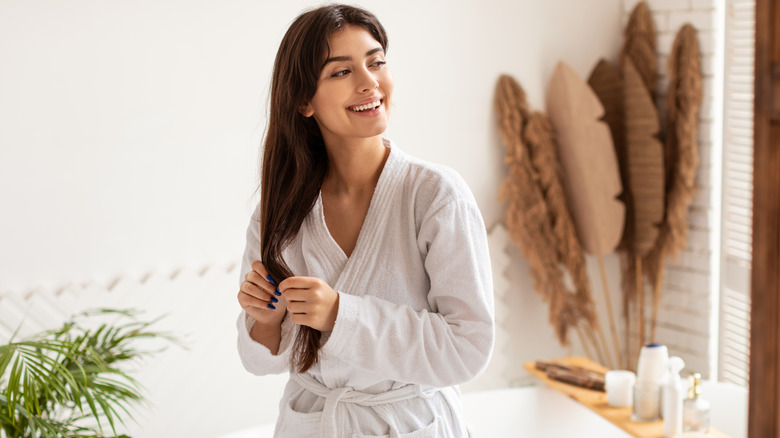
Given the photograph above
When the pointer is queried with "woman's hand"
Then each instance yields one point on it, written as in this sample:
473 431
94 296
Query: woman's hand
311 302
260 299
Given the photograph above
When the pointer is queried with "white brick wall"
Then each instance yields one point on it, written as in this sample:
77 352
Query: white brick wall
684 312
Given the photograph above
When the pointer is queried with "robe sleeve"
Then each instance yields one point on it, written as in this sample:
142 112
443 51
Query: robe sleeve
451 343
256 357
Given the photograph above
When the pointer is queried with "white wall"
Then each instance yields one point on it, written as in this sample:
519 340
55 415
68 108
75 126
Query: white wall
130 130
129 133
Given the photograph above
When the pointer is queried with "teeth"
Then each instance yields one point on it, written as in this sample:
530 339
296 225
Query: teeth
367 106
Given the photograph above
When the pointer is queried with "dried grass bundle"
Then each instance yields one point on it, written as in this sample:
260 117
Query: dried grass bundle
579 309
539 137
529 218
639 46
683 100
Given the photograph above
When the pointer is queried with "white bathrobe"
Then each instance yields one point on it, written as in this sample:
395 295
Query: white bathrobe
415 313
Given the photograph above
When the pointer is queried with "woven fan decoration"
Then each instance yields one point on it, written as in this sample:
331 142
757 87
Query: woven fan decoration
528 216
591 176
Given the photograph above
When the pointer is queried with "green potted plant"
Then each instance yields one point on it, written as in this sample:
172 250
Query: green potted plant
69 382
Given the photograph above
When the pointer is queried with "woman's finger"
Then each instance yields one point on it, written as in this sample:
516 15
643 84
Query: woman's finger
257 292
255 278
246 300
297 307
267 281
259 267
300 283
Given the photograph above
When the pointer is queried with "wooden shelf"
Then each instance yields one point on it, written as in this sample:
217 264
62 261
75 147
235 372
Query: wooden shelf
596 401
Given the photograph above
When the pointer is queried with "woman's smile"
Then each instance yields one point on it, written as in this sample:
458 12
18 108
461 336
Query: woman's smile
370 108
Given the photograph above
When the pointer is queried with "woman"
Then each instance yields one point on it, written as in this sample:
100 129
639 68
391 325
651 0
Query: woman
366 272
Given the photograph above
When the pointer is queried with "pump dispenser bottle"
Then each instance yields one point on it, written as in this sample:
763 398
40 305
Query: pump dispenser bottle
672 397
696 411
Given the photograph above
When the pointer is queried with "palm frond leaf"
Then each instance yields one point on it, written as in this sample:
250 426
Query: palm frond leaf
591 175
52 382
607 83
645 162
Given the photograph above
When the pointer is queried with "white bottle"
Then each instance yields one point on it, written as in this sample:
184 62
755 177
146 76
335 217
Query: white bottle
673 398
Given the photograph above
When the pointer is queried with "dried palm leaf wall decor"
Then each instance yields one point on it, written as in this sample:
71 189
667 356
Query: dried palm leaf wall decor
683 101
592 179
639 142
607 82
537 217
679 156
646 169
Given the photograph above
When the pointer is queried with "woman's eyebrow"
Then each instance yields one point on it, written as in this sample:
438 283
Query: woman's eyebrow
349 58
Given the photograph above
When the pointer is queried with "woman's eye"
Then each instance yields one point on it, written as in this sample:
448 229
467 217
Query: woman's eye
379 63
340 73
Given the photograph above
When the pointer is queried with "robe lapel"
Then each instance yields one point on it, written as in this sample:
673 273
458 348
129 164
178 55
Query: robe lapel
331 256
373 226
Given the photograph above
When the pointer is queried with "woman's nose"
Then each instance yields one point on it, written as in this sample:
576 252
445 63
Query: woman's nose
367 81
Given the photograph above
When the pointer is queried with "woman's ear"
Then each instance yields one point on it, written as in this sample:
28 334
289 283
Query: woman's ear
306 110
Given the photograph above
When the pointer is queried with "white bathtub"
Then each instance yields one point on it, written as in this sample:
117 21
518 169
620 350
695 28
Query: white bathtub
537 411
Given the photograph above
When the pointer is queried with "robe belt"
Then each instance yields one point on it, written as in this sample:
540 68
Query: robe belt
335 396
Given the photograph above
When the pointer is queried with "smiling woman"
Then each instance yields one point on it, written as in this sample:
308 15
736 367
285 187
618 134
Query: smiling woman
366 272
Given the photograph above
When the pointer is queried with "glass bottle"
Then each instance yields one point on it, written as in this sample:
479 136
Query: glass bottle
696 411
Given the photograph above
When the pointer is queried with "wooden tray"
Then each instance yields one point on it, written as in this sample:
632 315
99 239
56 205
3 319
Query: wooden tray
596 401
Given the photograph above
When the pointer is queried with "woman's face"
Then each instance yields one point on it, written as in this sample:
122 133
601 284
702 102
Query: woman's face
354 89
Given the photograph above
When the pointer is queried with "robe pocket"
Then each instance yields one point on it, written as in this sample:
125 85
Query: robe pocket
298 424
433 430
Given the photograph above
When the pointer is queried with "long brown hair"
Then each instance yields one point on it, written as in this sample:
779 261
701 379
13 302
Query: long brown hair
294 159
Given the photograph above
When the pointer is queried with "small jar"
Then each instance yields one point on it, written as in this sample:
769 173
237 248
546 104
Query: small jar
696 411
619 385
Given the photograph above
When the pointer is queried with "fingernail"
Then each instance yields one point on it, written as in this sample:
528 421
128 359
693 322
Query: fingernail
270 280
274 300
271 306
277 292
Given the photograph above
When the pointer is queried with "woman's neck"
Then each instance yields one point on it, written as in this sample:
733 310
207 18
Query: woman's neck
354 167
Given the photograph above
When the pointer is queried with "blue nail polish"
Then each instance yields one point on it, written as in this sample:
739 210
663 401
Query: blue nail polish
271 306
270 280
274 300
277 292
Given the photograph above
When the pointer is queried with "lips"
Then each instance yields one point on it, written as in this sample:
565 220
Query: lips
366 105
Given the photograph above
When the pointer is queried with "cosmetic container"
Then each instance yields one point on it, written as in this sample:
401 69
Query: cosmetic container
653 360
647 398
672 398
619 385
696 411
